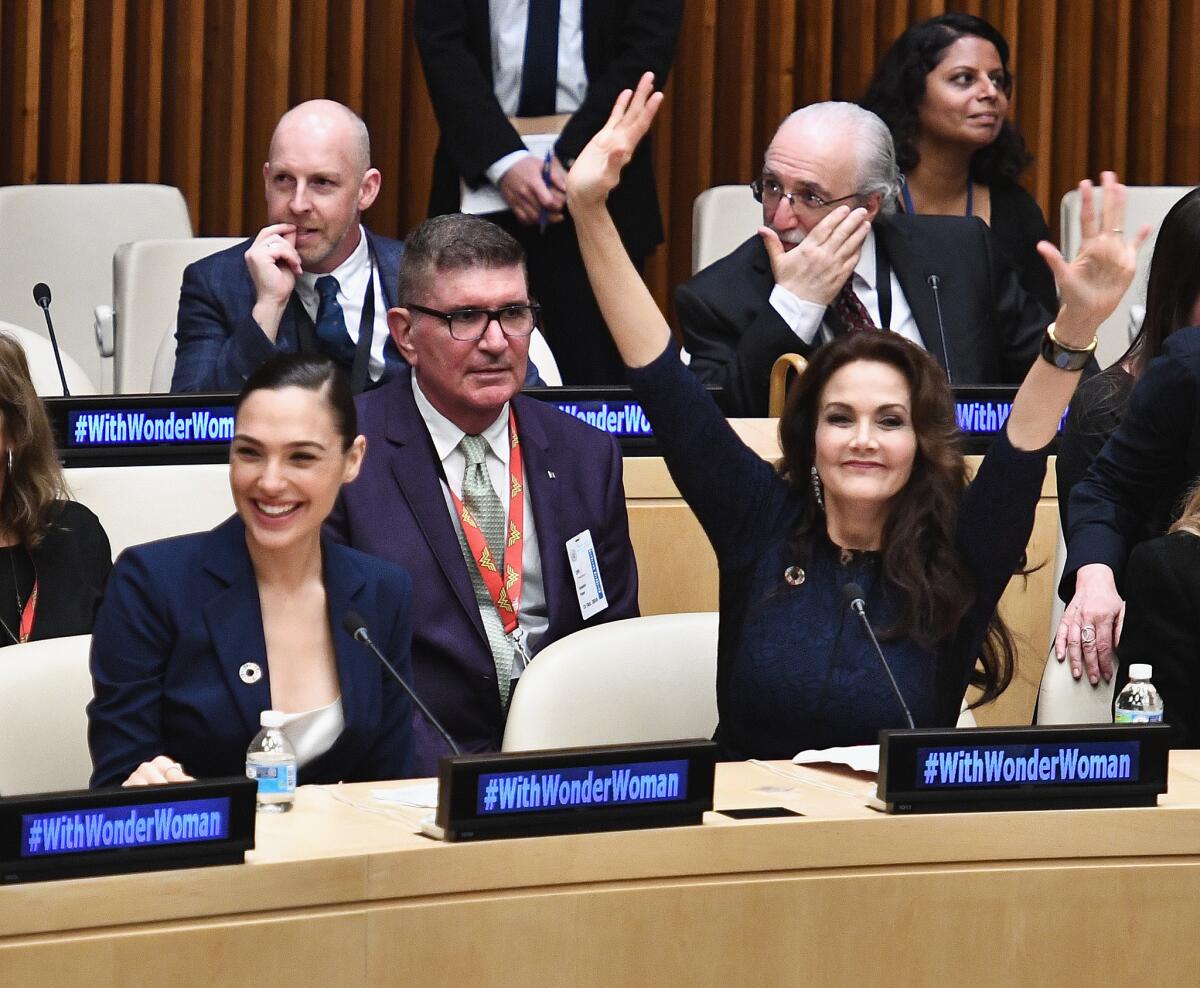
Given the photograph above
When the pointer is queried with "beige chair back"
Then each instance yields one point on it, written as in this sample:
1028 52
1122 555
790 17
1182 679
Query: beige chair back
45 688
642 679
722 217
42 367
65 236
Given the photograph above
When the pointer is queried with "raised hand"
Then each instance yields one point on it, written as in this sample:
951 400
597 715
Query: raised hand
597 170
1091 285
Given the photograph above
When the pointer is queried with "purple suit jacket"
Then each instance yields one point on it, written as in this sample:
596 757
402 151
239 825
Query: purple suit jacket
396 510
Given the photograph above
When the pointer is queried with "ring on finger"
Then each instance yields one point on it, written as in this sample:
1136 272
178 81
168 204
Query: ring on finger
1087 634
1117 230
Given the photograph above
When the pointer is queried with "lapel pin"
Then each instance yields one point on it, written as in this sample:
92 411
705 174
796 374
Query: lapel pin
250 673
550 474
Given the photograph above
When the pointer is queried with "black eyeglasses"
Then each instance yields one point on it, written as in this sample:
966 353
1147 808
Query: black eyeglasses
468 325
769 192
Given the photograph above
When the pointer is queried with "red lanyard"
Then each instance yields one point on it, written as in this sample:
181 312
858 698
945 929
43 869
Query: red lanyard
28 613
505 591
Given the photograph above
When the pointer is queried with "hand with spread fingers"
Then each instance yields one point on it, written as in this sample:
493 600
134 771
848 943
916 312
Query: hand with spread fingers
597 170
1092 284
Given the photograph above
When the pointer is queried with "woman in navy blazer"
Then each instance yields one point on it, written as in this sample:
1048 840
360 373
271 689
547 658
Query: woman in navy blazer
198 634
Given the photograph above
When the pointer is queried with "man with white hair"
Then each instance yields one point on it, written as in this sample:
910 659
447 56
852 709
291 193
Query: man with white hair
314 278
833 256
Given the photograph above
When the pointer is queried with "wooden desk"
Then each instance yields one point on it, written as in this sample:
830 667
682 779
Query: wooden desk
678 571
342 892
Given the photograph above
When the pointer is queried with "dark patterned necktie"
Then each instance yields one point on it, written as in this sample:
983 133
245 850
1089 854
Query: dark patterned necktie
850 310
331 324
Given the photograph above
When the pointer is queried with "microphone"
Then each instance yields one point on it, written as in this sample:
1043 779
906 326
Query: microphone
852 593
935 283
41 295
356 628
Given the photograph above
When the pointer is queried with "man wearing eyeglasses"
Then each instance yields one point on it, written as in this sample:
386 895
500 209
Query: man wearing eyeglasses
489 499
833 257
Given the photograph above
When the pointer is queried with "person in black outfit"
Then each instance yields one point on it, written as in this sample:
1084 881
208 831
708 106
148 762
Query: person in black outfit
871 487
1162 621
1172 302
482 80
54 554
943 90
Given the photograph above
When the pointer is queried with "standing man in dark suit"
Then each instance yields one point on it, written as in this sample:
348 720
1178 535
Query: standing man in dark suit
498 69
313 279
502 508
815 272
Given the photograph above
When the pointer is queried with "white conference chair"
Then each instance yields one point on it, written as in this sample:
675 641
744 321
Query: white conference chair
45 688
641 679
146 276
1144 204
65 236
142 503
722 217
43 369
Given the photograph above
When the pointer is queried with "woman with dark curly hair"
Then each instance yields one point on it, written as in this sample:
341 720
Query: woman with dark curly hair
871 489
54 555
943 90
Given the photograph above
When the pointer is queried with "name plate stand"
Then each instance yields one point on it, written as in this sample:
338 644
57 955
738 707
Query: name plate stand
117 830
573 790
1071 766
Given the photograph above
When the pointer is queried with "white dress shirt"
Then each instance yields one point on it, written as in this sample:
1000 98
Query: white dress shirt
508 20
313 732
804 317
533 616
352 276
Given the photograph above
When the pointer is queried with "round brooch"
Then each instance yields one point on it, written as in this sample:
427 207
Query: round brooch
250 673
793 576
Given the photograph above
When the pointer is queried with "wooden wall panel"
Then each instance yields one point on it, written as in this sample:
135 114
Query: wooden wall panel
188 91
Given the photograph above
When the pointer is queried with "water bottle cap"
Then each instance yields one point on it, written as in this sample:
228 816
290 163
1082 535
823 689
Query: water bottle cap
1141 670
271 718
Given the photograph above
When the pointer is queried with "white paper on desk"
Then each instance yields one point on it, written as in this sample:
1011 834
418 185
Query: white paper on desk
487 198
425 795
860 757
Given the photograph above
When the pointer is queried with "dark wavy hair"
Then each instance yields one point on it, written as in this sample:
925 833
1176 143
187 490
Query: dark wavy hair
35 483
1173 284
311 372
898 86
919 557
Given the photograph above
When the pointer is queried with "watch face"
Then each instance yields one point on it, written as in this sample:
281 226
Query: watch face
1061 358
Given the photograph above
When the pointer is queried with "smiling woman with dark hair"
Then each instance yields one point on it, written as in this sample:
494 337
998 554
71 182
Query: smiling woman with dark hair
871 490
943 89
199 634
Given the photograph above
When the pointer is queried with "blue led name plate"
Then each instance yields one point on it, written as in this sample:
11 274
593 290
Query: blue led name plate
565 788
969 766
110 828
108 427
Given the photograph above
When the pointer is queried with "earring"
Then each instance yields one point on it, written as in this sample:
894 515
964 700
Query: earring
10 459
818 489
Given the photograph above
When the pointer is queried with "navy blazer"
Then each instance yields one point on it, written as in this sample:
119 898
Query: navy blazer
992 327
217 342
396 509
179 619
1145 467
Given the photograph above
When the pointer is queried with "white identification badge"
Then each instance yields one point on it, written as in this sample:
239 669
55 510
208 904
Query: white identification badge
585 571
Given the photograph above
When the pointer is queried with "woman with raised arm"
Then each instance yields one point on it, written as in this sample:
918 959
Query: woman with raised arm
201 633
871 490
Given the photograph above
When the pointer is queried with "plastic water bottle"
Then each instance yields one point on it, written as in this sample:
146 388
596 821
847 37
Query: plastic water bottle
1139 702
271 760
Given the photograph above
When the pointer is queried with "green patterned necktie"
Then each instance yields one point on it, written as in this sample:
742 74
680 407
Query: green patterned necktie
480 500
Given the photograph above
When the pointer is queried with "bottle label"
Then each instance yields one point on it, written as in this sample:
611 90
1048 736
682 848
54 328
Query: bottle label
1138 717
273 780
